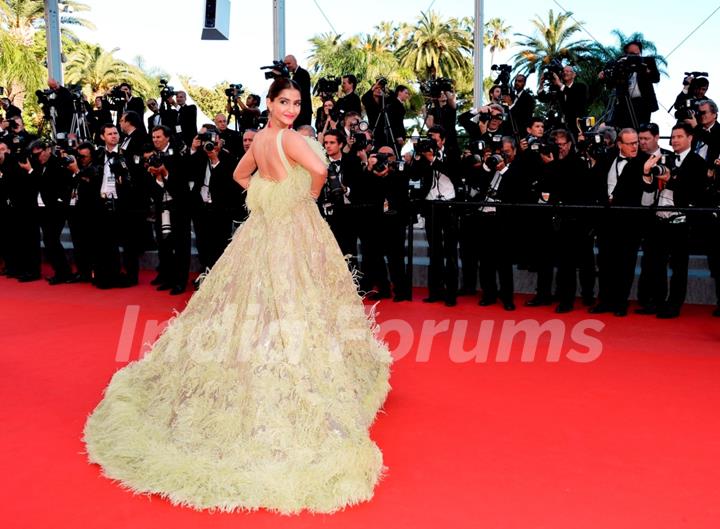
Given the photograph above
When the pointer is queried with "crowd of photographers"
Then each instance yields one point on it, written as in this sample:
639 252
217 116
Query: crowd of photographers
523 191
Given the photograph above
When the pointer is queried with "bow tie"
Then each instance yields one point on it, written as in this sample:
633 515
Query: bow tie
623 159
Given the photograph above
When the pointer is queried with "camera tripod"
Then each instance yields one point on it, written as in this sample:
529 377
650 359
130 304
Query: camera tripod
387 129
616 102
79 125
48 121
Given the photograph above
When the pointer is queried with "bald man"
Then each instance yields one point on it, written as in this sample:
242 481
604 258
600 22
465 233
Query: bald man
302 78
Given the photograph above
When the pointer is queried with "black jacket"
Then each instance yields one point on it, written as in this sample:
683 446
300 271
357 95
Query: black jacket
302 78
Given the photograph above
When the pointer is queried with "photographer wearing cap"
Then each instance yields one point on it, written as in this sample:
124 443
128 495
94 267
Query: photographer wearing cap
171 195
350 102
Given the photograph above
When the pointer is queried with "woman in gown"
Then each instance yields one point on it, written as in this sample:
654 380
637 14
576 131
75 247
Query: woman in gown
261 392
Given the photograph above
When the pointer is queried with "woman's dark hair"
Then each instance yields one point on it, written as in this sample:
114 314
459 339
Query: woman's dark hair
279 85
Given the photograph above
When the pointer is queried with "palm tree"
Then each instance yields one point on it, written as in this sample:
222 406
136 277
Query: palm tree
495 36
437 47
553 40
24 18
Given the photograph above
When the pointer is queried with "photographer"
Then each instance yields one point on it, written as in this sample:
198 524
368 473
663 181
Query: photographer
232 139
127 101
633 77
344 172
385 231
186 126
213 195
155 118
350 102
444 113
485 123
521 102
97 117
695 86
81 218
494 226
563 237
246 114
59 98
171 195
10 110
437 183
112 200
572 96
685 176
8 177
706 133
15 134
51 182
302 78
324 118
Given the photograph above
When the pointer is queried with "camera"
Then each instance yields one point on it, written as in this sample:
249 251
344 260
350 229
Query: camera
357 130
278 70
492 162
553 67
434 87
658 170
688 111
233 91
209 140
503 76
157 159
618 72
75 91
383 162
118 165
327 86
165 226
166 91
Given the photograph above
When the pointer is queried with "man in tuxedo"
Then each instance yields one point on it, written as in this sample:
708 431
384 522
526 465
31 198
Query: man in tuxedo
302 78
10 110
522 104
350 102
685 178
619 180
53 184
706 136
396 115
81 215
438 183
212 196
338 194
186 126
154 119
232 139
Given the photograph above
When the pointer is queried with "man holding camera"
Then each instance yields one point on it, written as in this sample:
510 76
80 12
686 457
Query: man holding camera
437 183
572 96
129 102
232 139
247 113
685 176
350 102
386 228
302 78
213 194
81 215
171 195
444 113
10 110
695 87
52 185
337 196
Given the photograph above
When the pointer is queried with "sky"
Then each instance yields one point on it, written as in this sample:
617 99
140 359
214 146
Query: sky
166 33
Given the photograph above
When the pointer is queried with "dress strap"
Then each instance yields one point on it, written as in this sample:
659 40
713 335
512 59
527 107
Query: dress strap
281 152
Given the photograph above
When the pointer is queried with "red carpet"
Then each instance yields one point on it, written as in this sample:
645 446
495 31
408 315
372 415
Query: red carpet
630 440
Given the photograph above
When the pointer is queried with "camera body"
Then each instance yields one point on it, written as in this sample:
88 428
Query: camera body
689 110
209 140
157 159
278 70
434 87
326 86
166 91
233 91
618 72
553 67
503 77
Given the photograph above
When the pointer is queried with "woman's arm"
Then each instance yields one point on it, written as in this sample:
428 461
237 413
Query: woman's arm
298 151
245 168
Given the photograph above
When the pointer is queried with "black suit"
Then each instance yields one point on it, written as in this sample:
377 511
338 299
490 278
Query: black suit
522 110
349 103
12 111
187 121
668 242
211 206
55 185
573 103
302 78
643 104
620 232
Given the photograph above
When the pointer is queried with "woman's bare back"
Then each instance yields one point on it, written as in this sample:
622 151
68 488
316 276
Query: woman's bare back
265 150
